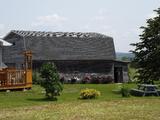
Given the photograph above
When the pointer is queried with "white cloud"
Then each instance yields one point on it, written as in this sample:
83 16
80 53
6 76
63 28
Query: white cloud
49 20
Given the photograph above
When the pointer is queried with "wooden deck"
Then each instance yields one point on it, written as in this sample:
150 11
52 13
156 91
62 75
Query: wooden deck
13 79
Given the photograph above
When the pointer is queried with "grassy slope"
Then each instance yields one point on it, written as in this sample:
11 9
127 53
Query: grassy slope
142 109
69 94
30 105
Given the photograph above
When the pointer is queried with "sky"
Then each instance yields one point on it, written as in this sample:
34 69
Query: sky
119 19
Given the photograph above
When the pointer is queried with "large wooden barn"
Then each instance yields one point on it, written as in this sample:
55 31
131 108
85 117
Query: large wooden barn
75 54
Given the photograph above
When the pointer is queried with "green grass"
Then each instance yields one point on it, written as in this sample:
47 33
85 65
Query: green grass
94 110
31 105
70 93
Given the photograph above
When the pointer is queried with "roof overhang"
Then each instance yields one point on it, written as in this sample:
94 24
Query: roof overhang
5 43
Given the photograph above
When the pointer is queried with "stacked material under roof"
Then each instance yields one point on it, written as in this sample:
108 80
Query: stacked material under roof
59 34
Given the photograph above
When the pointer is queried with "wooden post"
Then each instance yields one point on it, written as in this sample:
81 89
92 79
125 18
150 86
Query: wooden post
28 68
1 44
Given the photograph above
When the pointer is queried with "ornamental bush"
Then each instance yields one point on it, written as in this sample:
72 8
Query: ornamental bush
50 80
89 93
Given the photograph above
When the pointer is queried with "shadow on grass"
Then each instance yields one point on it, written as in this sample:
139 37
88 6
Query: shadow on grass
42 99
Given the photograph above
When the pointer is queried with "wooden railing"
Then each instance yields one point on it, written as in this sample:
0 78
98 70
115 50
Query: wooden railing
12 77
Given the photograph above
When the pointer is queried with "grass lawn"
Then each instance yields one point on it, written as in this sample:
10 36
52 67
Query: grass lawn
31 105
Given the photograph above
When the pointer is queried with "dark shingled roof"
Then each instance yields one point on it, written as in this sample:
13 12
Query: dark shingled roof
66 45
59 34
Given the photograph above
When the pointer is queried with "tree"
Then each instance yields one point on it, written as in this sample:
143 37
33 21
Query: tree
50 80
147 51
124 58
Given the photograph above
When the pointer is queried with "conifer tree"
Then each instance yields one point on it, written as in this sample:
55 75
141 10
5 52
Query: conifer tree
50 80
147 51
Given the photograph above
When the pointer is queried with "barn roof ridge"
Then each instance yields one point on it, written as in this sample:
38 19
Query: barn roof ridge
26 33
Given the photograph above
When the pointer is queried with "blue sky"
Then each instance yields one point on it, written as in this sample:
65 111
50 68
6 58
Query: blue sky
120 19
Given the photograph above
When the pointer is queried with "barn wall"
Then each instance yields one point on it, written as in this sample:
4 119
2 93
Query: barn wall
13 55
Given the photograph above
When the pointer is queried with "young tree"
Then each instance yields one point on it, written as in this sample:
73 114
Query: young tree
50 80
147 51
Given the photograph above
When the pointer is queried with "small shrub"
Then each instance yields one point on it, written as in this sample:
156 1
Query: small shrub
125 92
89 93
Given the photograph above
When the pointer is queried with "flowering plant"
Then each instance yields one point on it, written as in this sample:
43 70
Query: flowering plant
89 93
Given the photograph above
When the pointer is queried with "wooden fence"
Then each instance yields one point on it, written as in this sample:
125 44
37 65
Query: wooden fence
12 77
